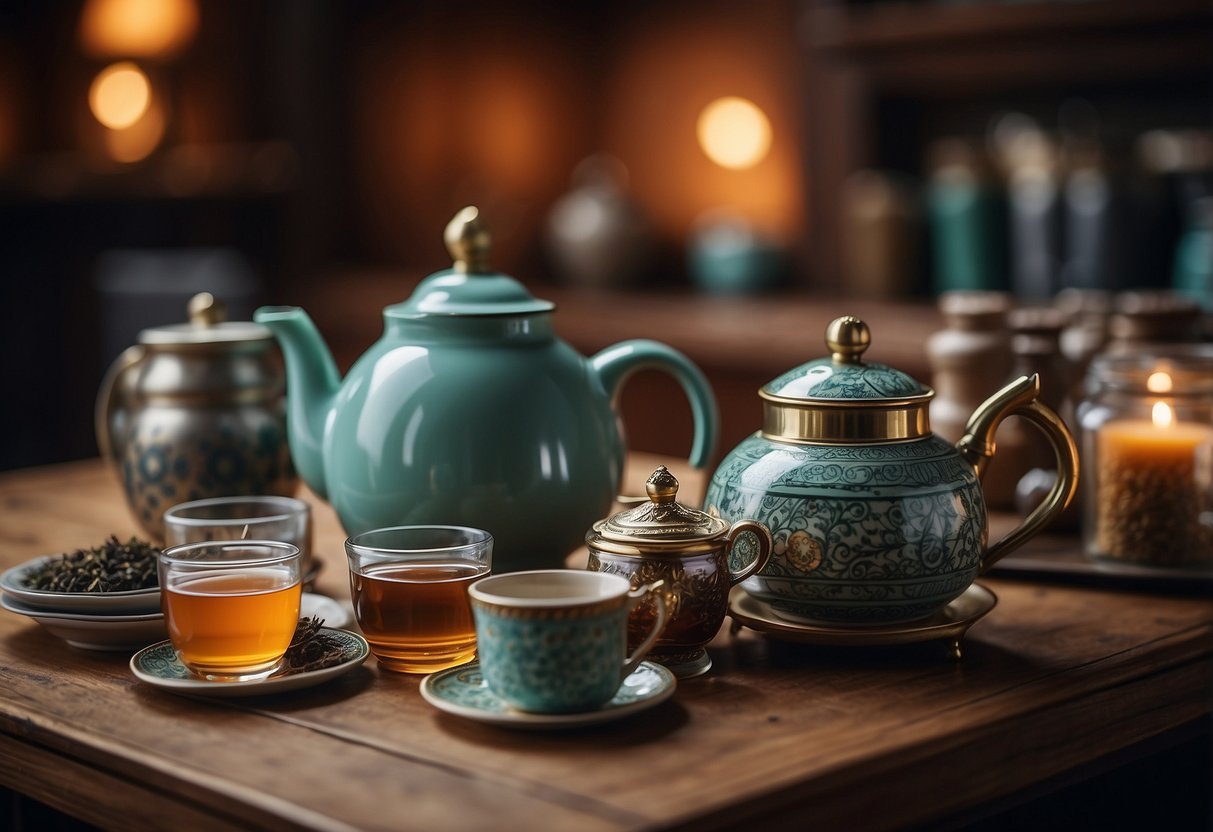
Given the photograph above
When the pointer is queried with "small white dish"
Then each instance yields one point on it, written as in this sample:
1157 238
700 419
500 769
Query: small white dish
462 691
335 614
112 631
96 631
159 666
131 602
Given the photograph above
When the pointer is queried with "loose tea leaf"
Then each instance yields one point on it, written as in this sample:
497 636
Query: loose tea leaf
312 648
110 567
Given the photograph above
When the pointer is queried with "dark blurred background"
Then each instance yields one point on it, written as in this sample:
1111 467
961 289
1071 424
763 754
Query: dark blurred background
691 171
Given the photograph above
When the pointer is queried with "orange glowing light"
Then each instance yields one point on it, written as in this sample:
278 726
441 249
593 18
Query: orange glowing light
120 95
734 132
137 28
1159 383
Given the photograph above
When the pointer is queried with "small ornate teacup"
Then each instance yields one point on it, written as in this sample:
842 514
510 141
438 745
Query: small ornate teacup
554 640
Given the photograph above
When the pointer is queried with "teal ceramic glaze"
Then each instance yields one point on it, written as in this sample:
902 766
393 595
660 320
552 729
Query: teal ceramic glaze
875 520
555 641
469 411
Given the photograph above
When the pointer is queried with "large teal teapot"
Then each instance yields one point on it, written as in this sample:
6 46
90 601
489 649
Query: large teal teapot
468 410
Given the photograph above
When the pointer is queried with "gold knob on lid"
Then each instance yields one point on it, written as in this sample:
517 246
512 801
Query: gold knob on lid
206 310
847 337
662 486
468 241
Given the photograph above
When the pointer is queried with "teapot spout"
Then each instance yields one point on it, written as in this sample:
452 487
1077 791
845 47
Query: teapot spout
311 385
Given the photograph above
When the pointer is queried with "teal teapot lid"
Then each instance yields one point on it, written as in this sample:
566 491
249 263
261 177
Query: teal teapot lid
470 287
842 399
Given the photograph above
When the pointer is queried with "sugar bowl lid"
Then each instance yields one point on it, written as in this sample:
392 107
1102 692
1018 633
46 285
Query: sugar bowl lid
842 399
661 521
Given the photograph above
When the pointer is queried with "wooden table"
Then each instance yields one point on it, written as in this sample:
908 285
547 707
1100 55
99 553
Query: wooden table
1055 681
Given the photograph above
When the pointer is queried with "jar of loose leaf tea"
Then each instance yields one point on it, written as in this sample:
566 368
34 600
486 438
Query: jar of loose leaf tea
1146 432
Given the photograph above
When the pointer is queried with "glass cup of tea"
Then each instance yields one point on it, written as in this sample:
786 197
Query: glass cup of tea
268 517
409 588
231 607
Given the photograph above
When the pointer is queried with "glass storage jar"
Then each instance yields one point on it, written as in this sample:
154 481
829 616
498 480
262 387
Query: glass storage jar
1146 432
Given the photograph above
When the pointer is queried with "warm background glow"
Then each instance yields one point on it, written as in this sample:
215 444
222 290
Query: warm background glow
137 28
119 95
734 133
1159 383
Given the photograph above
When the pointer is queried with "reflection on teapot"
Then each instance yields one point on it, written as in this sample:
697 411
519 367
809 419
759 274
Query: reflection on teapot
875 519
468 410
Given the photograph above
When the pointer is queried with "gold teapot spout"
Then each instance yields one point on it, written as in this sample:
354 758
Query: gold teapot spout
1022 398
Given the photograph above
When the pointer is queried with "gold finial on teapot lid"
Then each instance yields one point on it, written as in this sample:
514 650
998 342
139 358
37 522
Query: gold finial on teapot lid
848 337
206 310
469 241
662 486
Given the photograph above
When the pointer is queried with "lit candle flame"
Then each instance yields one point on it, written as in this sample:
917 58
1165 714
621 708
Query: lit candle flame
1159 383
1163 417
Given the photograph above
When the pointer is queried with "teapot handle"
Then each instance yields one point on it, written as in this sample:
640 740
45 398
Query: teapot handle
764 548
615 363
1021 398
109 417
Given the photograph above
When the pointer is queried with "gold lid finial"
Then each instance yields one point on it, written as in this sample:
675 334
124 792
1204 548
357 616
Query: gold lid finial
662 486
847 337
206 310
468 241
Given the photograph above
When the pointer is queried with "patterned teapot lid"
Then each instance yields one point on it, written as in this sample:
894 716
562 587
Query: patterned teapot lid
662 519
470 287
842 399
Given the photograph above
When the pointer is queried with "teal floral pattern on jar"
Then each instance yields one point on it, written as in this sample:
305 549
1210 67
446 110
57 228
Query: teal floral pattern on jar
864 534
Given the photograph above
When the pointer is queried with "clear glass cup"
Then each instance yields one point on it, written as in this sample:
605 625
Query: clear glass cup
409 586
231 607
284 519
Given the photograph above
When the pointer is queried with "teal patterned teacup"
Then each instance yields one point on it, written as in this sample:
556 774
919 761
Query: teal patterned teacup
554 640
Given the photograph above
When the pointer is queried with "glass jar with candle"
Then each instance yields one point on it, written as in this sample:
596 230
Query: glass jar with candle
1146 429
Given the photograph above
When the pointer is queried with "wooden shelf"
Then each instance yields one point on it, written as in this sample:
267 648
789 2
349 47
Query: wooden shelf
843 28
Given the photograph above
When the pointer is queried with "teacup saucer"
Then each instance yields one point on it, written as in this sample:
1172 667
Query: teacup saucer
462 691
951 623
158 665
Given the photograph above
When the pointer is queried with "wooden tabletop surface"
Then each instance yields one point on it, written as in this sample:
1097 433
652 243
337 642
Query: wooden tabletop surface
1056 678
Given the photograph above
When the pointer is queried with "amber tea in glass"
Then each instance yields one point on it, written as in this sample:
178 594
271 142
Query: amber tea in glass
231 607
409 589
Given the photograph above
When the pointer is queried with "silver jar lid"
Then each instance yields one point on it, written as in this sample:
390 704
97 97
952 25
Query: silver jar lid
206 326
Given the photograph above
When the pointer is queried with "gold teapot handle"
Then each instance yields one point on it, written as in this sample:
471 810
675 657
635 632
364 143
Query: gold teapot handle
764 548
112 397
1022 398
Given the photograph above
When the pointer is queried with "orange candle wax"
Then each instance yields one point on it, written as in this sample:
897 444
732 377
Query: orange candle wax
1151 497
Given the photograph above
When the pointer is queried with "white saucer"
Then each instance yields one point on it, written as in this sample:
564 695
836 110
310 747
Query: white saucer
112 631
334 613
158 665
462 691
96 631
132 602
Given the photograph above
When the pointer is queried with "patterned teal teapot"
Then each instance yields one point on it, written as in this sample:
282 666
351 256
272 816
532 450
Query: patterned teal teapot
469 411
875 520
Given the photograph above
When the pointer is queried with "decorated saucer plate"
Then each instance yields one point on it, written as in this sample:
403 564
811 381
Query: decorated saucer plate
462 691
159 666
14 583
950 624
